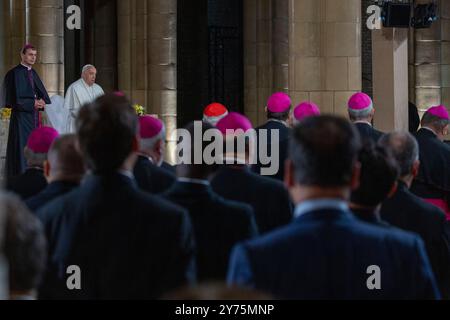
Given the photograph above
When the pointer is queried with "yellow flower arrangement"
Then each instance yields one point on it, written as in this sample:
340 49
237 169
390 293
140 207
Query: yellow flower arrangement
140 111
5 113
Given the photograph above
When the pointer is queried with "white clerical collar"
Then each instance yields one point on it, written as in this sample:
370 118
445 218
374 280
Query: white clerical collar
194 181
363 122
28 67
279 121
429 129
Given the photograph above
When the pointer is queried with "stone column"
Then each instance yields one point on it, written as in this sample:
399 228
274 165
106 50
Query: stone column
258 61
427 69
162 65
147 58
390 77
12 39
280 45
445 52
325 52
125 39
13 32
432 61
44 29
132 52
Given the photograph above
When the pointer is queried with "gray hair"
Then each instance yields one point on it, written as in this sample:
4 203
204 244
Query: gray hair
434 121
86 68
405 149
35 159
356 115
149 144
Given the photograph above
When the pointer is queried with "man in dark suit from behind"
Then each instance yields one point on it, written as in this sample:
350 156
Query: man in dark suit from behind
33 181
407 211
150 176
278 111
127 244
64 170
378 182
326 253
235 181
361 112
218 224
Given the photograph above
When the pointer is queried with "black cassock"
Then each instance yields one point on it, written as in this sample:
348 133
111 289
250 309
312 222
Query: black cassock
22 87
433 181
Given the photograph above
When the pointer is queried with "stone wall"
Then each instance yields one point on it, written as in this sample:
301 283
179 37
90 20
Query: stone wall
431 61
325 52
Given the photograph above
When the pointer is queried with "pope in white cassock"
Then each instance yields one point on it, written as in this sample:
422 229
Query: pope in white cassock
80 93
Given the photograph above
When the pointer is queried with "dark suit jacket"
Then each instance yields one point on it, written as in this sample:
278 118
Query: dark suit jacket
371 217
368 133
268 197
408 212
151 178
326 254
127 243
29 184
283 144
53 191
168 167
218 224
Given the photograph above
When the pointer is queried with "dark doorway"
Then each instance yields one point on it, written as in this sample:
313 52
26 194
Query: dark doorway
210 56
95 43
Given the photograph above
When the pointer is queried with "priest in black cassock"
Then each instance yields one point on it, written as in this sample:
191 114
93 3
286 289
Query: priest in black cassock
26 95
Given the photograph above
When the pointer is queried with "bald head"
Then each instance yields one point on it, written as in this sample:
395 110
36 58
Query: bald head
65 162
405 150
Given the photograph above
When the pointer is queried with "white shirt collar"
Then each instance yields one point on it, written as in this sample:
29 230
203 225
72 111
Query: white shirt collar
29 68
363 122
319 204
279 121
194 181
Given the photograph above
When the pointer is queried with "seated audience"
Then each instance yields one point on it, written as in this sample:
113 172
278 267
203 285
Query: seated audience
408 212
378 181
326 253
218 224
64 171
127 244
361 112
268 197
33 181
149 175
